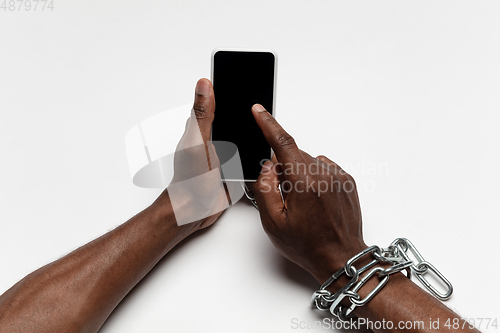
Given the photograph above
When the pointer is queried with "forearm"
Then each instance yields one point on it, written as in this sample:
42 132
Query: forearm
78 292
400 306
404 303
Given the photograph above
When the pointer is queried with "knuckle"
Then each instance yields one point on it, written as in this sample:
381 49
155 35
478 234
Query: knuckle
324 176
269 119
348 178
200 110
349 186
343 172
351 180
257 186
285 140
346 175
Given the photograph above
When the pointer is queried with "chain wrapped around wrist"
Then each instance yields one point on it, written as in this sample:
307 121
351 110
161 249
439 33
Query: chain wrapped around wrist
395 255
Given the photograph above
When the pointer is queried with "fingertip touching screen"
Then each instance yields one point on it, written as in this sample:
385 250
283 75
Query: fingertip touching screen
241 79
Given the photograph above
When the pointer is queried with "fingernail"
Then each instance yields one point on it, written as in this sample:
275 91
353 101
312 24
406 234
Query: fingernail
203 88
258 108
267 166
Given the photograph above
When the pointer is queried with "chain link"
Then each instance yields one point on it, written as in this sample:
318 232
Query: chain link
397 255
249 194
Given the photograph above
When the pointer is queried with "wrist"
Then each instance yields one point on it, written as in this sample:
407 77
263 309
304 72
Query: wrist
335 259
164 211
343 280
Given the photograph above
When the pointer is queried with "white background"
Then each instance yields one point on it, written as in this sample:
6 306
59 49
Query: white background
402 94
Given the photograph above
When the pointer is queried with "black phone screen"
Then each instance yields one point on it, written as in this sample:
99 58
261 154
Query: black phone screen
241 79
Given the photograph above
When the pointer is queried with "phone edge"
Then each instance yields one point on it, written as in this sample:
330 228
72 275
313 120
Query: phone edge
217 49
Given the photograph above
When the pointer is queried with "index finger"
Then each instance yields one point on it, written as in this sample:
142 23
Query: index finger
283 144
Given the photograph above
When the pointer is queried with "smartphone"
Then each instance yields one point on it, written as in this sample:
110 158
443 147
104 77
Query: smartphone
241 78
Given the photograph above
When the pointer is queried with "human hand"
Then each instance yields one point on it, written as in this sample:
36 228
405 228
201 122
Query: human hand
196 191
317 224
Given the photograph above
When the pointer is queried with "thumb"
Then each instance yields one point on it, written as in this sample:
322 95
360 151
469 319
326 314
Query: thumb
267 192
204 107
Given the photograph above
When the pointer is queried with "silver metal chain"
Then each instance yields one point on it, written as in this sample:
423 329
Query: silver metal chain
396 255
249 194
